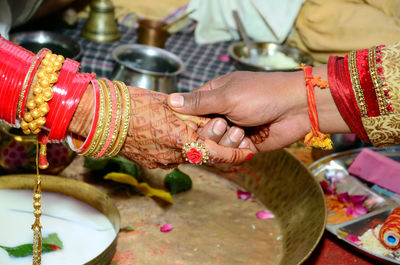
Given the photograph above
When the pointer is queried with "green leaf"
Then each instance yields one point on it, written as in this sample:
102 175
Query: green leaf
49 244
19 251
53 239
177 181
114 164
127 229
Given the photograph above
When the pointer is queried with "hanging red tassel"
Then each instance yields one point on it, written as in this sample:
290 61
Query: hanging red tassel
42 139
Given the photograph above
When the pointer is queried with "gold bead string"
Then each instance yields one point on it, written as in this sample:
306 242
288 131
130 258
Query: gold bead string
33 120
47 76
26 82
36 226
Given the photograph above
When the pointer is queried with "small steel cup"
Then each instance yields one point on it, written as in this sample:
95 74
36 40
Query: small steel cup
147 67
152 33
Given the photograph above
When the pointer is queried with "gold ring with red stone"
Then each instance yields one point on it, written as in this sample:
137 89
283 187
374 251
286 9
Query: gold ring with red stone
196 153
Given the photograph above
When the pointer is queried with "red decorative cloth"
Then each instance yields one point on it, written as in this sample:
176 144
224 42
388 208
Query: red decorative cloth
367 86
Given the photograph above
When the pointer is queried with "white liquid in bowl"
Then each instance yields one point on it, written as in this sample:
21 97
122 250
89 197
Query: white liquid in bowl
84 231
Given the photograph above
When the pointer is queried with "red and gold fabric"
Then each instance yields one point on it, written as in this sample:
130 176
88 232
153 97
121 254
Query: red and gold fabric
365 85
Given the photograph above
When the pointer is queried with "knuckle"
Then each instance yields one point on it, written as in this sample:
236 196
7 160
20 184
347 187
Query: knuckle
197 96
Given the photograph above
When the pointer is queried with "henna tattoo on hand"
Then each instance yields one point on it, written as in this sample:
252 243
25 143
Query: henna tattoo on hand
258 134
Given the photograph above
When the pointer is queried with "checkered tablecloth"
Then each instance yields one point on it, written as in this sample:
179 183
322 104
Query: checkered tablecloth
202 62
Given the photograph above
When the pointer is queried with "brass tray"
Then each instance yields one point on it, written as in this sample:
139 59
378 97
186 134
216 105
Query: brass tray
79 190
357 226
212 226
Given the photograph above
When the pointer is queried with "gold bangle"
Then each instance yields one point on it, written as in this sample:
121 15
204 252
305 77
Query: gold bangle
117 120
126 109
99 125
47 76
107 125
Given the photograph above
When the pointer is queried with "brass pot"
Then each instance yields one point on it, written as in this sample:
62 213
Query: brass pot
152 32
18 152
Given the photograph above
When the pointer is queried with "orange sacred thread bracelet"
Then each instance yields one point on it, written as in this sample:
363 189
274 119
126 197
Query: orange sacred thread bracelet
315 138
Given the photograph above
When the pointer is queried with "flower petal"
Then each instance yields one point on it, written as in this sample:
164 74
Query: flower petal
166 228
359 210
264 215
349 211
353 239
243 195
357 199
327 188
224 58
344 197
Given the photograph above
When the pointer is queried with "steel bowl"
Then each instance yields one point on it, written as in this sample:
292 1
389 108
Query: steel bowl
147 67
56 42
240 56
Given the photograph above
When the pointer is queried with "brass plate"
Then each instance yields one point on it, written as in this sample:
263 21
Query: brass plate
79 190
212 226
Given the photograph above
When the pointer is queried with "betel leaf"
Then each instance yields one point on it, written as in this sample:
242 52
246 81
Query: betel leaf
177 181
49 244
142 187
53 239
127 229
114 164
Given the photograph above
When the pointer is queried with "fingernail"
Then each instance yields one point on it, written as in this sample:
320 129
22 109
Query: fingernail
249 156
176 100
219 127
236 135
244 144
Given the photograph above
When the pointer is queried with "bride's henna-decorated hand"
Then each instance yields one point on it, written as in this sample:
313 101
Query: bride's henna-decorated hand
156 134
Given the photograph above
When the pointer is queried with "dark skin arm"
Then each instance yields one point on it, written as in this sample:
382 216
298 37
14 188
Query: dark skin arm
275 101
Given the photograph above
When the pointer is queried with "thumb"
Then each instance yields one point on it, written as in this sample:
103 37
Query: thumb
198 102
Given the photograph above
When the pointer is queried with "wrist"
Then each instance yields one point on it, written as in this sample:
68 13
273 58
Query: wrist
82 119
297 101
330 119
